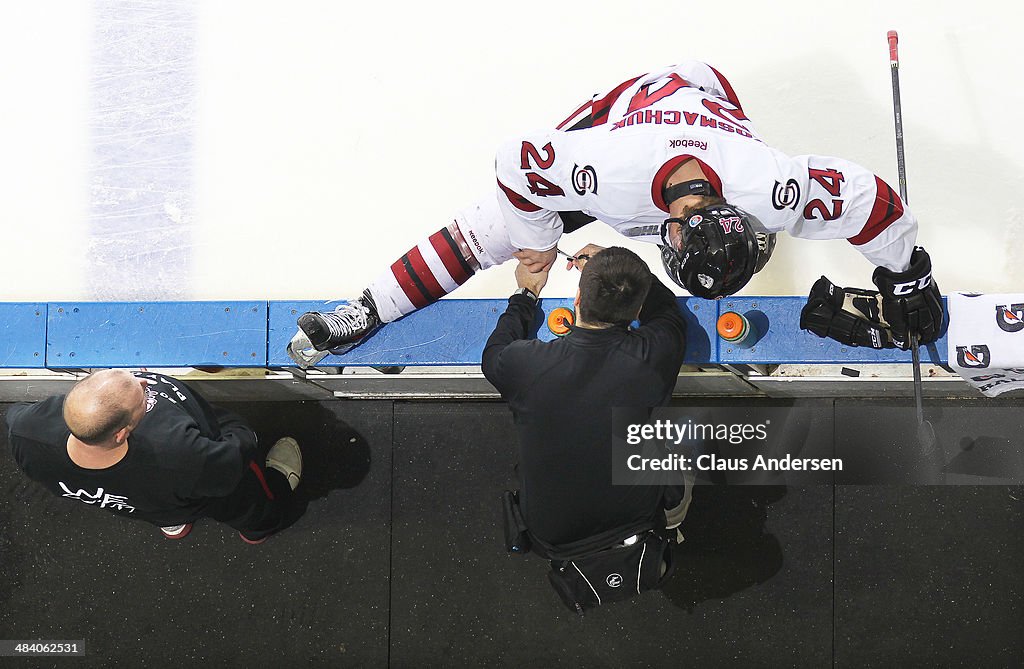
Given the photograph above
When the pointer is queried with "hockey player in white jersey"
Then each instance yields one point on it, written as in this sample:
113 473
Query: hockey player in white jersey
670 158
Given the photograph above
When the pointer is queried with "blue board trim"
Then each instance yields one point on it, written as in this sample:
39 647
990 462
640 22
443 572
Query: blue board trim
782 341
157 334
23 335
448 333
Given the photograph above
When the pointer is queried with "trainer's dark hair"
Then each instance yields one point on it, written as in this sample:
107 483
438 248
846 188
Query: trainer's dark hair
613 286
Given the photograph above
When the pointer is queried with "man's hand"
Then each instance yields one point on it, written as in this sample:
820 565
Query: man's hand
580 257
535 281
536 261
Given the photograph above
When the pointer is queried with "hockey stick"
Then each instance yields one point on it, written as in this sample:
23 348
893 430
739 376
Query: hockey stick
925 431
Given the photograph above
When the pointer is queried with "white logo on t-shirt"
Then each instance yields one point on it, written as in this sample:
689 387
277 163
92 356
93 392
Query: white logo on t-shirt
104 500
150 399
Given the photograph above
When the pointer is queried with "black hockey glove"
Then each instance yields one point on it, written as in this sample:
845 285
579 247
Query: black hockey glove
911 302
851 316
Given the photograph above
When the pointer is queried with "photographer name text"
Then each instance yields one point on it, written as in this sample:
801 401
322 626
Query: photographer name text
714 463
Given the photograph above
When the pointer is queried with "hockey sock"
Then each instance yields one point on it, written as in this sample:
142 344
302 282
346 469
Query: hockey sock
426 273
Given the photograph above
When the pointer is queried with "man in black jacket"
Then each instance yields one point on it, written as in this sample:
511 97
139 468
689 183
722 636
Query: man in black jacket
562 393
146 446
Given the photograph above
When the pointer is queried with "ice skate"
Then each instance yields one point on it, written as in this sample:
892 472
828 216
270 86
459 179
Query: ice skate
340 330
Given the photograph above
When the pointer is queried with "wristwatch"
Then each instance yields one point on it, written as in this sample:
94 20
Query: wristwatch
527 292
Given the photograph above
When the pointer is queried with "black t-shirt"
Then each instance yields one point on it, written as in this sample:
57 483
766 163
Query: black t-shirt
562 394
183 454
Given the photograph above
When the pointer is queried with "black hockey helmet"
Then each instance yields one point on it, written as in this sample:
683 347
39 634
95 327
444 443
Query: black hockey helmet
719 253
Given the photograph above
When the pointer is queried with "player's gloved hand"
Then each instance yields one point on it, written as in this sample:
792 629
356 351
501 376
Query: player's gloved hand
851 316
911 302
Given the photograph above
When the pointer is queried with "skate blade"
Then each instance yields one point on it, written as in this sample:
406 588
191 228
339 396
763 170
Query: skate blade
301 351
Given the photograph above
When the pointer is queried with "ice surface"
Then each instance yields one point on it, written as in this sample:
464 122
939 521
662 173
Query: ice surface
142 124
227 150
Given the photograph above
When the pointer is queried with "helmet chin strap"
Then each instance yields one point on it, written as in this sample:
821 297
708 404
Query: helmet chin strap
664 230
682 189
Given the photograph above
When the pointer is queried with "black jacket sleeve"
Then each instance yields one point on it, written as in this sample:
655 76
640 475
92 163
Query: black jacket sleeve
225 443
218 424
512 326
222 462
663 325
217 444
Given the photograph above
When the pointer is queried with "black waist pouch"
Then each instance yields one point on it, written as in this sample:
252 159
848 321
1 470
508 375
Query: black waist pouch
517 538
612 574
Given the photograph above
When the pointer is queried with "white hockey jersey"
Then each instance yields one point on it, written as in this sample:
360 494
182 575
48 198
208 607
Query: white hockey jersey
611 159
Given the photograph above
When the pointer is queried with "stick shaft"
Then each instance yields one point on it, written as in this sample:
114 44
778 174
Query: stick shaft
897 110
894 64
918 390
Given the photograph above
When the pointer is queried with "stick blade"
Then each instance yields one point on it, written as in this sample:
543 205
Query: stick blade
926 437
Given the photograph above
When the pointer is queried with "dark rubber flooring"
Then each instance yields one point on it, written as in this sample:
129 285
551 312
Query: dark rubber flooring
399 562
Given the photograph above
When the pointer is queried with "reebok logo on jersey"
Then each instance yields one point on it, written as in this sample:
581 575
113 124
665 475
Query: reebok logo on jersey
1010 318
476 243
584 179
786 196
976 355
687 143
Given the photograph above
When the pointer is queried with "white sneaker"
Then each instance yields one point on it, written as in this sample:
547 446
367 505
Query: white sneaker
285 457
302 352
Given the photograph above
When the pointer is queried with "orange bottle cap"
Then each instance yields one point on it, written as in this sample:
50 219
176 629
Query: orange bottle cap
731 326
559 321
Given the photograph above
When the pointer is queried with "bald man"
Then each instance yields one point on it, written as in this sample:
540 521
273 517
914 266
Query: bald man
146 446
